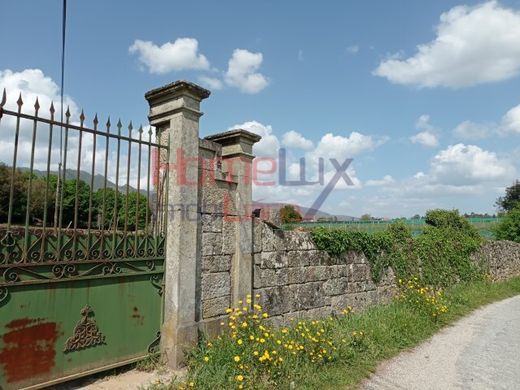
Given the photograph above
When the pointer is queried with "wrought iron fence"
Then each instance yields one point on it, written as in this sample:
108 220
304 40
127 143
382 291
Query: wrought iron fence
70 192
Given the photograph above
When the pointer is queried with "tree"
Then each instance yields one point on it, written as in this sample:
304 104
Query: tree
107 199
38 200
511 198
132 211
289 214
19 194
69 202
366 217
509 226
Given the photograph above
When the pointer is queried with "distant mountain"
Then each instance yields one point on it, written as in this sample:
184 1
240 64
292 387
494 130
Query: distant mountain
99 180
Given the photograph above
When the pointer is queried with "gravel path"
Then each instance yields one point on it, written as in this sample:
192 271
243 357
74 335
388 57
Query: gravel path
481 351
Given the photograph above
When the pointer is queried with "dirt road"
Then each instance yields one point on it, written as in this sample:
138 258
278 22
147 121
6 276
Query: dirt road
481 351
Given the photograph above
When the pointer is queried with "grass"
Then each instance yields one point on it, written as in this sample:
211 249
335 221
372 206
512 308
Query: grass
360 341
151 363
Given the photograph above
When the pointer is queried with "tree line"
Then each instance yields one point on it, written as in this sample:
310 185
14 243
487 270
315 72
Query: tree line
43 199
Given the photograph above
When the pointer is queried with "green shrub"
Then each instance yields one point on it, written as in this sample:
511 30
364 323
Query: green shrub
450 219
441 255
373 245
509 226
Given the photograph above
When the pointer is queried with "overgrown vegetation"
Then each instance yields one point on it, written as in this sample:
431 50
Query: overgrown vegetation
509 226
354 343
439 256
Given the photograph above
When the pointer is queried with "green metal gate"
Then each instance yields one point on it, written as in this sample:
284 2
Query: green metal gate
81 249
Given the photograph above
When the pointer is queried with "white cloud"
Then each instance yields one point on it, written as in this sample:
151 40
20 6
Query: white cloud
211 82
472 131
428 136
469 165
354 49
474 45
341 147
32 84
425 138
460 176
182 54
386 180
243 72
268 145
296 140
511 121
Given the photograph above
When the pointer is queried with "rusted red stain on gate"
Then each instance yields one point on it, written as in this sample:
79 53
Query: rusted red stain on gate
29 348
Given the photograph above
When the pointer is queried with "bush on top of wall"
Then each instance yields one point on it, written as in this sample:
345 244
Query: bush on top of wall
440 256
509 226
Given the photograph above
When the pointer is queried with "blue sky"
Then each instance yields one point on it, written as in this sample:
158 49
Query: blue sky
421 95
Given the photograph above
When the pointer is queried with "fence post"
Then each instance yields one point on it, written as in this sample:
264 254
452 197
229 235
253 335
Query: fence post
237 158
175 113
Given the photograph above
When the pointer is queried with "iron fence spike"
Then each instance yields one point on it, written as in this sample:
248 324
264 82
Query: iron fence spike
4 98
36 106
108 125
95 120
140 129
52 110
67 113
19 101
82 117
119 126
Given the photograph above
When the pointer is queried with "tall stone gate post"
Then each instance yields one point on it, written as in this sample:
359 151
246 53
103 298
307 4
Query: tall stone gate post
237 158
175 111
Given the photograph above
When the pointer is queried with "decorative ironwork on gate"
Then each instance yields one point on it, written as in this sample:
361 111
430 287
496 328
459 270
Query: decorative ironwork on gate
78 202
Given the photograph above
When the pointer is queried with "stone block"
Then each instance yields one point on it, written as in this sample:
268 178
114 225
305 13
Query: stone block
219 263
317 257
215 285
298 258
211 244
215 307
229 236
296 275
339 271
267 277
354 287
220 195
272 239
317 273
307 296
298 241
272 260
275 300
335 286
359 272
211 223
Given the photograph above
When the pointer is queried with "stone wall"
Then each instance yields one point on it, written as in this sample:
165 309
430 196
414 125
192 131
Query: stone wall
295 279
500 258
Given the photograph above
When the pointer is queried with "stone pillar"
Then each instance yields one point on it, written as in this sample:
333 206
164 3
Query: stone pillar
237 157
175 111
